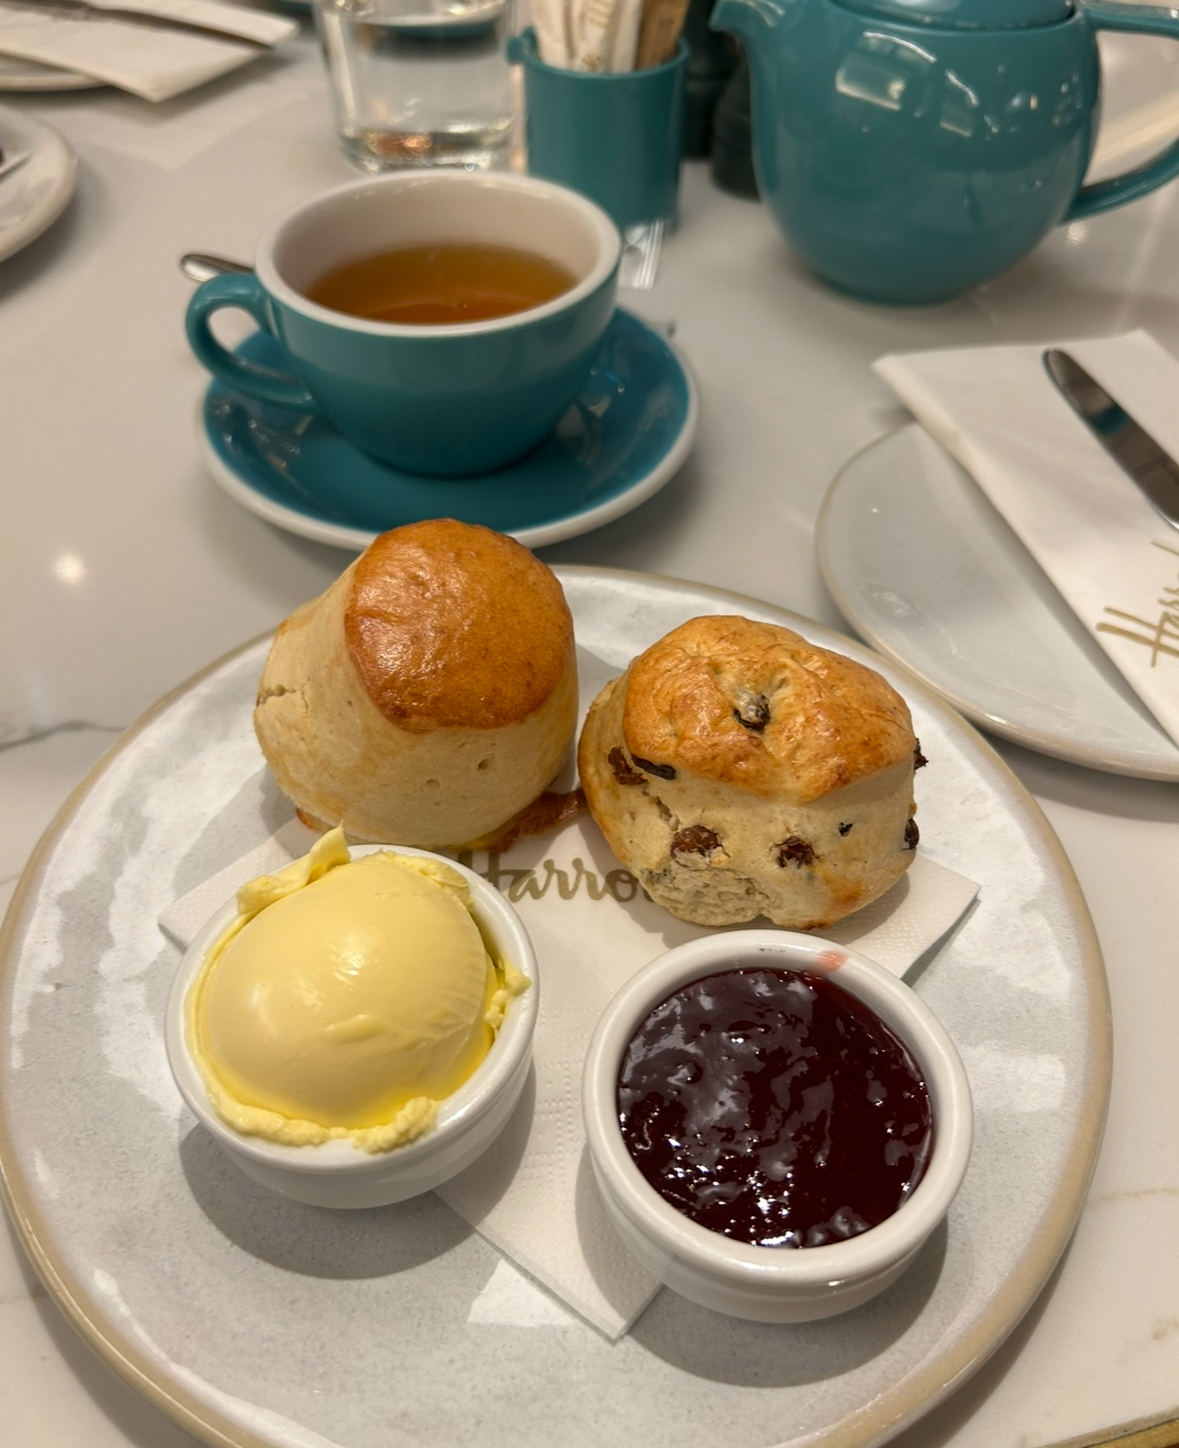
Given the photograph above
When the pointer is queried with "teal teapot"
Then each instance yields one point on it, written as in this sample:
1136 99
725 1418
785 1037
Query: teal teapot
910 149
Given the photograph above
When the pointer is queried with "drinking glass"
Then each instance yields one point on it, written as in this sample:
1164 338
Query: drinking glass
419 82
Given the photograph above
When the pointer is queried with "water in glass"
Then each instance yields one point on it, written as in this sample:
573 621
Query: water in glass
419 82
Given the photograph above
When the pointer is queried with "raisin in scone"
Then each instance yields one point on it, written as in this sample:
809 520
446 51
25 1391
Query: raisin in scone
738 771
429 695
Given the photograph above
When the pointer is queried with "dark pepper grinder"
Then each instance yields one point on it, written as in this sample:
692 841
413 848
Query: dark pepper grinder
732 135
711 59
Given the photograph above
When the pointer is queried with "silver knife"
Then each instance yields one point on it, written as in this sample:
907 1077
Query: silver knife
1129 444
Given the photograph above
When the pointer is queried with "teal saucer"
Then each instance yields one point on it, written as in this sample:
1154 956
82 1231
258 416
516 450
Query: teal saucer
626 435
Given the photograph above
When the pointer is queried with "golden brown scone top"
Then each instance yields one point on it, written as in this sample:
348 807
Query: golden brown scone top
451 625
755 705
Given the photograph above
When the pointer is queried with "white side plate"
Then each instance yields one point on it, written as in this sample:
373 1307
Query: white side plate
927 571
34 195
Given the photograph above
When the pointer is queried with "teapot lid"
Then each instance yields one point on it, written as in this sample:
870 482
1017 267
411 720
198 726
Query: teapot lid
966 14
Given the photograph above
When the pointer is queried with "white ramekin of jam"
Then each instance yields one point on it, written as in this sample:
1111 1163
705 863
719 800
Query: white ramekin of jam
776 1123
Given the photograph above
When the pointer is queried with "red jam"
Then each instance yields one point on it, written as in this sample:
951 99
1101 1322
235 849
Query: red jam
774 1107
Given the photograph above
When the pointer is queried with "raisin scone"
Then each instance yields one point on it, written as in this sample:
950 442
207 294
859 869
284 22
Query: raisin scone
429 695
737 770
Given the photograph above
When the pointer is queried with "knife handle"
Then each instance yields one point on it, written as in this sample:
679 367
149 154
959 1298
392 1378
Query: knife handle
1117 190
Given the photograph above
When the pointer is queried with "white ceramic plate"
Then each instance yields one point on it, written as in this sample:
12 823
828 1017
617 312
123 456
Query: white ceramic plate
257 1321
34 195
927 571
29 75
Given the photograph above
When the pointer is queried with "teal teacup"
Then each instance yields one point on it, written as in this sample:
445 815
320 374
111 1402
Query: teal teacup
450 400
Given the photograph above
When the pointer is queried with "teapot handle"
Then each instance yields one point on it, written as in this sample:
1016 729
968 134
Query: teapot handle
1117 190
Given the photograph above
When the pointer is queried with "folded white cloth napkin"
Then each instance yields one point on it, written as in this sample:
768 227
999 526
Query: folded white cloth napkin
1113 558
533 1196
149 59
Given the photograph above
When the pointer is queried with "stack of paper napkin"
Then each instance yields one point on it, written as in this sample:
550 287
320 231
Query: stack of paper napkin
153 48
1111 555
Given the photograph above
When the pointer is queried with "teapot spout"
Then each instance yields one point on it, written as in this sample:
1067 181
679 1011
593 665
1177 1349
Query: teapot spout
749 19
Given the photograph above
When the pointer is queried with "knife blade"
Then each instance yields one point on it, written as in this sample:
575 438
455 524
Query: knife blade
1142 459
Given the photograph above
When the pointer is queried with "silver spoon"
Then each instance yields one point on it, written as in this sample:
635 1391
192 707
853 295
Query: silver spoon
199 266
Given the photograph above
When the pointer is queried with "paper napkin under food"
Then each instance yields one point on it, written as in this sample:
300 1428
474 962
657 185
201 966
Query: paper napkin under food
1112 557
533 1196
178 44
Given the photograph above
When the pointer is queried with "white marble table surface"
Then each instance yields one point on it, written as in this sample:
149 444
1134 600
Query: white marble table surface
123 570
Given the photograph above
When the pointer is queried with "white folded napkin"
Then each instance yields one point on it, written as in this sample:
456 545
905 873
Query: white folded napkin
1105 548
220 15
533 1196
153 60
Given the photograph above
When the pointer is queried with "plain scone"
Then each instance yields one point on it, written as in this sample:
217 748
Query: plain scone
429 695
737 770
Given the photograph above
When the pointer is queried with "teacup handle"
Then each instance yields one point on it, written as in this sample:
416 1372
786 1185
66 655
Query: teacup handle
1117 190
242 290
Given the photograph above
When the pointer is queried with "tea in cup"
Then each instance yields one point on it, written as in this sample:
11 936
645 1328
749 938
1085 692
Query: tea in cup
442 321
